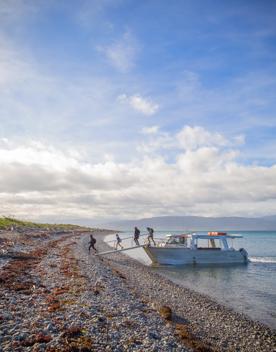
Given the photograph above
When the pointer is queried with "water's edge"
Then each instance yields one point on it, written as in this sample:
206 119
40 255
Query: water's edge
248 289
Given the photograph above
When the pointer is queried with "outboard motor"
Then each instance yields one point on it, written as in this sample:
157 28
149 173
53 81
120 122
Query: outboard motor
244 254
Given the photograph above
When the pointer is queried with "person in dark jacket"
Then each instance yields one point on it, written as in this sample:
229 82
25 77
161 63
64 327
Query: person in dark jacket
150 236
92 243
136 236
118 243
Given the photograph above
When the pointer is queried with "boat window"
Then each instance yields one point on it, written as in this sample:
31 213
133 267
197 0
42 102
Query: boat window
182 240
177 240
173 240
208 243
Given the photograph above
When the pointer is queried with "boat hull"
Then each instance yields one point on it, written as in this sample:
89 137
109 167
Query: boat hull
182 256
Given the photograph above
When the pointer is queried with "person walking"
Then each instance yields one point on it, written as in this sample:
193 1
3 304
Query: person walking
92 243
118 243
136 236
150 236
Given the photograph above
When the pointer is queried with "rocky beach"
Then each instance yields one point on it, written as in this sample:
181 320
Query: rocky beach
55 296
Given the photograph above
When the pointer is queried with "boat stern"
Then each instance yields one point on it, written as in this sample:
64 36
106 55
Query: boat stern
244 253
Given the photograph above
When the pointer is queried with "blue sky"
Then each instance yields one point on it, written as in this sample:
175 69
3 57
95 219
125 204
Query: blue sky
130 93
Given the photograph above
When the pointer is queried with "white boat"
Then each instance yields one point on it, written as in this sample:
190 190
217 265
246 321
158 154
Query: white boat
196 249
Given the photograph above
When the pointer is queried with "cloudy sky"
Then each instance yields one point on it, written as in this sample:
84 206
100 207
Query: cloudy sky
118 109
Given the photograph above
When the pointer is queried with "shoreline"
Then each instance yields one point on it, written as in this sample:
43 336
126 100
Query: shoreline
216 328
229 285
65 299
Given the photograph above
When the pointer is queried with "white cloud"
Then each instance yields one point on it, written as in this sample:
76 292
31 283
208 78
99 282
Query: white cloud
150 130
34 102
239 140
35 166
204 159
194 137
193 171
139 103
13 69
158 142
188 138
13 10
122 54
203 180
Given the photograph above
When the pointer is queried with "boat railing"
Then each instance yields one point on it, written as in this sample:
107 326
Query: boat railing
143 240
159 241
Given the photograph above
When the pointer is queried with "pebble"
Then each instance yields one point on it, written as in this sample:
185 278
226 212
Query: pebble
120 317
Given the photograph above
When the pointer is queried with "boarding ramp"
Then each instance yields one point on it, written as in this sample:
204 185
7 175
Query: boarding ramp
142 238
119 250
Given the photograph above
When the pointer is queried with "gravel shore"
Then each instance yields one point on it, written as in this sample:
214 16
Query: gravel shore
56 296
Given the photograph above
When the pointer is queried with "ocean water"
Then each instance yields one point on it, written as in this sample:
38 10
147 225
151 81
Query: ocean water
250 289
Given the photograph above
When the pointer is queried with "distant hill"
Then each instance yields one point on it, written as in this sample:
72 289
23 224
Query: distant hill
198 223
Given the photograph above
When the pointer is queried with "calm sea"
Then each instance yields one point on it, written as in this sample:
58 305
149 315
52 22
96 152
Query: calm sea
250 289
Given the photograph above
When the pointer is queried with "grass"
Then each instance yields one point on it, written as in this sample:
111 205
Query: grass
7 222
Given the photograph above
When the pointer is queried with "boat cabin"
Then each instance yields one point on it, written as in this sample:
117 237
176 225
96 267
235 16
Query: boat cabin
212 241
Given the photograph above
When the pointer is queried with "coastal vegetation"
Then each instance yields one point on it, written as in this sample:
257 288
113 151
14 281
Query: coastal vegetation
8 222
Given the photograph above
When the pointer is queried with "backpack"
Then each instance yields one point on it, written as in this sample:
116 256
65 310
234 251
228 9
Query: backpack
93 240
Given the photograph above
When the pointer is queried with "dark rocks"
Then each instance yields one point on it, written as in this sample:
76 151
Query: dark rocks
165 312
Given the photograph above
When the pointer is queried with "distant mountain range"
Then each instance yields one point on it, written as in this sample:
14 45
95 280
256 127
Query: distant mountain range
198 223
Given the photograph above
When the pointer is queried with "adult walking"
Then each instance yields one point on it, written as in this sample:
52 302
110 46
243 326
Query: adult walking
118 243
136 236
92 243
150 235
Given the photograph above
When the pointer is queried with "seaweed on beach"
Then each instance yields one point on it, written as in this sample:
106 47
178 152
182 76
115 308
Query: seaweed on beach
189 339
